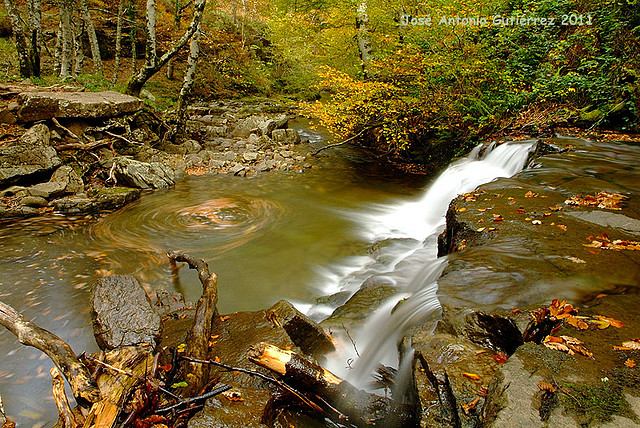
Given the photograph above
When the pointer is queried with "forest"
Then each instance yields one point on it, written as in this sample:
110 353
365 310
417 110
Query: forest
413 80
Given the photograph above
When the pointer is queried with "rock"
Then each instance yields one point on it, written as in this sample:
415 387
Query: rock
191 146
285 136
28 157
168 302
17 212
144 175
286 154
74 204
303 331
236 334
236 168
52 189
192 159
249 156
122 313
34 201
246 127
145 94
226 156
72 181
12 191
112 198
220 412
45 105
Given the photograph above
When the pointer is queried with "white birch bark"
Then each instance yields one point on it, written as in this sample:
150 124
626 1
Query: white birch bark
116 70
67 38
364 43
151 55
189 75
91 32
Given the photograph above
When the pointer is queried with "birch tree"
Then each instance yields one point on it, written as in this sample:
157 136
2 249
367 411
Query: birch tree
153 64
189 76
91 33
151 52
362 36
28 53
66 36
118 53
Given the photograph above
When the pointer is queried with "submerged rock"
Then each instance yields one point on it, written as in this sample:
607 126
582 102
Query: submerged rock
122 313
246 410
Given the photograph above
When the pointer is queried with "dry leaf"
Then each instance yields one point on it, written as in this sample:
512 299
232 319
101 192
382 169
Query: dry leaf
546 386
500 357
546 214
576 260
555 208
632 344
520 210
536 222
605 200
468 407
611 321
630 363
562 226
462 209
530 194
480 229
471 376
621 348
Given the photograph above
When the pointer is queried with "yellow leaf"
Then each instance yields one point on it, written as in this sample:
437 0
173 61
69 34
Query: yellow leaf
630 363
471 376
611 321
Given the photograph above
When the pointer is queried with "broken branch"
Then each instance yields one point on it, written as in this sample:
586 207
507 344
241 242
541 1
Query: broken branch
218 390
76 373
60 397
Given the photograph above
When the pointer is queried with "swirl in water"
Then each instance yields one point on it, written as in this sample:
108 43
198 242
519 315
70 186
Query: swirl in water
208 228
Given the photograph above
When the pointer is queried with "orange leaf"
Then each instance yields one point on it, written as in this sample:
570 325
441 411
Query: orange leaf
468 407
615 323
500 357
621 348
546 386
562 226
471 376
630 363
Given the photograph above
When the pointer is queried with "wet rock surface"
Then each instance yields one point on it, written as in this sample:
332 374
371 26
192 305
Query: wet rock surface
122 313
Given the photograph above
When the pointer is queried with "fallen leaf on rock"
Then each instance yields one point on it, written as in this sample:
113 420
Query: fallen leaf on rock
461 209
603 242
471 376
547 214
480 229
515 311
482 209
536 222
491 229
630 363
546 386
233 395
632 344
621 348
482 392
571 345
607 200
500 357
530 194
527 219
576 260
579 324
562 226
555 208
469 407
611 321
520 210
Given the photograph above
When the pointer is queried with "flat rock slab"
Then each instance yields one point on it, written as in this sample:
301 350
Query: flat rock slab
122 313
32 106
244 412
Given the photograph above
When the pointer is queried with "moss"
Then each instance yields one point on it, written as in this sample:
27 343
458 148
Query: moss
595 403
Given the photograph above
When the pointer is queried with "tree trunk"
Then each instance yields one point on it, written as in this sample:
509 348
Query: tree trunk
91 32
364 43
361 408
35 22
151 54
82 384
177 15
197 375
21 42
57 54
78 48
187 85
66 60
133 36
116 67
150 68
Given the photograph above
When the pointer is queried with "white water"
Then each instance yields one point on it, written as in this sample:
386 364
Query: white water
409 261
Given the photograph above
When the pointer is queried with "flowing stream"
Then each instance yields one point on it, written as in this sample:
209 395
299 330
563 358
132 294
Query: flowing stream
326 232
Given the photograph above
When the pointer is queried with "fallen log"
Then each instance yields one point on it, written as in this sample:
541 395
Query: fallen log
67 418
82 384
197 375
361 408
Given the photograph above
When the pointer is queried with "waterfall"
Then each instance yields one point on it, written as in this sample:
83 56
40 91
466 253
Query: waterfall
408 261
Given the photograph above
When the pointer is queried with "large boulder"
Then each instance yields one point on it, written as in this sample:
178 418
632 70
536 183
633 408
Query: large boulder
144 175
32 106
71 180
30 156
285 136
122 313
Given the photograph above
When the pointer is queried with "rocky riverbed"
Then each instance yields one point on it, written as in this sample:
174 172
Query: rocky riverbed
87 152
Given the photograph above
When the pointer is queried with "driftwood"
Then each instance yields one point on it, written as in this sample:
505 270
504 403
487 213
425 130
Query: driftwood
360 407
197 375
67 417
83 386
122 369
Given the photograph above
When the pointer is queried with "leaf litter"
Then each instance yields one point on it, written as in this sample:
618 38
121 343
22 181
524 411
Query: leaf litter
605 200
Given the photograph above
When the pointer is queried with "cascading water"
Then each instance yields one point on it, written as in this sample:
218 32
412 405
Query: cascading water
407 260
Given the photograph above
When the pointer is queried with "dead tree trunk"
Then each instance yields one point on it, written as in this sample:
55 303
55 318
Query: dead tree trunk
152 67
82 385
362 408
78 48
35 22
197 375
91 32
